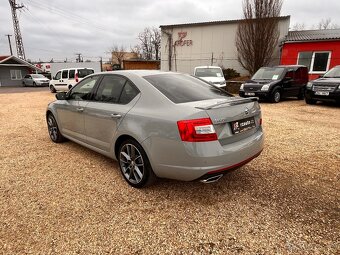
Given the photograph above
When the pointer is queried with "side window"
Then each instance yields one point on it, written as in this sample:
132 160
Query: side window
71 74
290 74
129 92
58 76
27 76
83 90
110 89
65 74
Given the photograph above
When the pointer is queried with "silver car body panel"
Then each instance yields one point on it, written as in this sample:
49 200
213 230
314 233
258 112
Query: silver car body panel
151 119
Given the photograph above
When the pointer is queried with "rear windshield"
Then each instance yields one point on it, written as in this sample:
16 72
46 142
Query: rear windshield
84 72
268 73
180 88
208 72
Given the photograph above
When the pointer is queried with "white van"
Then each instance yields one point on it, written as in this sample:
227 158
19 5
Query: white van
212 74
65 79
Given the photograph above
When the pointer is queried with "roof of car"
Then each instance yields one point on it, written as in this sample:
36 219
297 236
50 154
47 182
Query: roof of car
207 67
140 73
294 67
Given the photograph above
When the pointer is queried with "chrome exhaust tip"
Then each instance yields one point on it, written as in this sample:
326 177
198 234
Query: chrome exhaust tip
212 179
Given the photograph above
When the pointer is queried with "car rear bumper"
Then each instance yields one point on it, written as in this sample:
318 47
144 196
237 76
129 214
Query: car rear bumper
190 161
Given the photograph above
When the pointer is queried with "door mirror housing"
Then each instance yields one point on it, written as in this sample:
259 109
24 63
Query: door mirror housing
61 96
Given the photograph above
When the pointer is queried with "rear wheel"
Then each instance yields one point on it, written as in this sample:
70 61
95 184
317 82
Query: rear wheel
52 89
301 94
53 129
135 165
23 84
275 97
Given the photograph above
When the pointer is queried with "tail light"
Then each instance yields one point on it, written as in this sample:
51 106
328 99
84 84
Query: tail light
260 122
77 77
197 130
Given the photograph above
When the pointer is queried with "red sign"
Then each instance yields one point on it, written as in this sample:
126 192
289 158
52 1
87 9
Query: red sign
181 42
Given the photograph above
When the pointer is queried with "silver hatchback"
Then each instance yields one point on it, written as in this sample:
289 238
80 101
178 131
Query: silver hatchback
159 124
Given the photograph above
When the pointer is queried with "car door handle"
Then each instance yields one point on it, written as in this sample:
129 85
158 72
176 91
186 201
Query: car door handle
80 109
115 115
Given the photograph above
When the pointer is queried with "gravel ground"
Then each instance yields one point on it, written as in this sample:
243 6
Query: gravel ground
65 199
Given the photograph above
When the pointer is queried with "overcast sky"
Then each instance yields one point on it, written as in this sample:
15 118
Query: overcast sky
60 28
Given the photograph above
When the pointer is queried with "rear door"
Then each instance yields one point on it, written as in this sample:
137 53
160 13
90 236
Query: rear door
113 99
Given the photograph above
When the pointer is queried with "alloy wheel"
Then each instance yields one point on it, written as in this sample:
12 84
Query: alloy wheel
132 164
52 128
277 96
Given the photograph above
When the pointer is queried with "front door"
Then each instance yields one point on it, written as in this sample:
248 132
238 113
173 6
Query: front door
71 111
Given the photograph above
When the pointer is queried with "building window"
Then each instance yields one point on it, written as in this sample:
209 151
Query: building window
316 62
16 75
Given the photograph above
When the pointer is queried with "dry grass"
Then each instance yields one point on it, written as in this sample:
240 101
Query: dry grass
65 199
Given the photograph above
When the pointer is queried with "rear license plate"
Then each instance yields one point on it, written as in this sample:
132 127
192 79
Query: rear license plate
240 126
250 94
322 93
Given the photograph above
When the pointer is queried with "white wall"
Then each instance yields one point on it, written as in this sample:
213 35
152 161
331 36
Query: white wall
207 39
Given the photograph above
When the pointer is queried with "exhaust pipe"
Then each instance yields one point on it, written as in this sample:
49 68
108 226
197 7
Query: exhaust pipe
212 179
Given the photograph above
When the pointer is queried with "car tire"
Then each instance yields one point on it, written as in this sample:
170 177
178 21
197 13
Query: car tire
135 165
310 101
69 87
301 94
53 129
275 96
23 84
52 89
34 84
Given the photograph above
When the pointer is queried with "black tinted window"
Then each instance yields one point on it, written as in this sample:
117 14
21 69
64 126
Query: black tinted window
83 89
84 72
65 74
180 88
128 93
110 89
58 76
71 74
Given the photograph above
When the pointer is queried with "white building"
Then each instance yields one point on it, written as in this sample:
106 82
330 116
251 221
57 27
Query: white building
185 46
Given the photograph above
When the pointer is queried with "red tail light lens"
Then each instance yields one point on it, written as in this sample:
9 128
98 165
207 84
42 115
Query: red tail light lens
197 130
261 122
77 77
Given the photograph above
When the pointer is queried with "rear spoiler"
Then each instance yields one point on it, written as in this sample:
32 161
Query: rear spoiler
232 102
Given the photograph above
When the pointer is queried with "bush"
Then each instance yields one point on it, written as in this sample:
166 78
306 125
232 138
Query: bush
230 73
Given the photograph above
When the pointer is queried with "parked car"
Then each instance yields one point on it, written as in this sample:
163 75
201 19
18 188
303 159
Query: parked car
212 74
162 124
275 83
65 79
35 80
326 88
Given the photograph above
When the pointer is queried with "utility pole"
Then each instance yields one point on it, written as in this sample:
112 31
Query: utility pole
101 64
17 33
79 58
9 42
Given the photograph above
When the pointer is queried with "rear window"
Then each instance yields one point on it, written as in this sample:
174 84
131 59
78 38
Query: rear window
84 72
180 88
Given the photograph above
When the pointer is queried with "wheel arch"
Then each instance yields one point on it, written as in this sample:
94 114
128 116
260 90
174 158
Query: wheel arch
120 140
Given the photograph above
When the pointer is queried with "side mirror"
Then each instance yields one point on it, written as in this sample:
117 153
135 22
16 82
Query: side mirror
61 96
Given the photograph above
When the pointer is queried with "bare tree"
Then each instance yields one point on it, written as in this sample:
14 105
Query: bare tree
118 53
137 50
257 35
150 43
326 24
299 26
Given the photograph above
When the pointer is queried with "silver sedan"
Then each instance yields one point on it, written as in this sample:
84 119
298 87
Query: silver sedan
159 124
35 80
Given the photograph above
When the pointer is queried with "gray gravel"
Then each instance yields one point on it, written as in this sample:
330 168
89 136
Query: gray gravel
65 199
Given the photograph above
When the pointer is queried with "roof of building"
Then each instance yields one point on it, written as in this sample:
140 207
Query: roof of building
313 35
22 62
217 22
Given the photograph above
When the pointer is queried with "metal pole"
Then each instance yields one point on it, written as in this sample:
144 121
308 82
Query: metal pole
10 45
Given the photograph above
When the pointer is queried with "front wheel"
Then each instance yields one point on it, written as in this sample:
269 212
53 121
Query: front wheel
310 101
135 165
275 97
53 129
52 89
34 84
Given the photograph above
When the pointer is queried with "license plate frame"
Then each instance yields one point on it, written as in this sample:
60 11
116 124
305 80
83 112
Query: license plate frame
322 93
240 126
